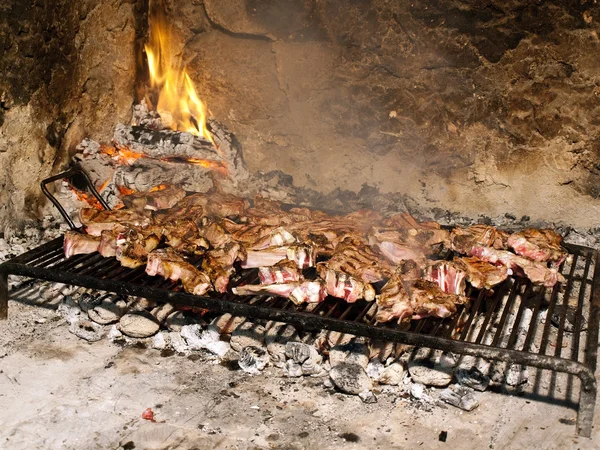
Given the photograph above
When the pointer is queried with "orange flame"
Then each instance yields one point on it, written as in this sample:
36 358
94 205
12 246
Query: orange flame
104 185
209 164
177 95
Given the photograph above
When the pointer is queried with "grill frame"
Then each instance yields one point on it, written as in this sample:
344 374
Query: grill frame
47 262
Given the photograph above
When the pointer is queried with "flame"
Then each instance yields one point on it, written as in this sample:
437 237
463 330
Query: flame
159 187
123 155
209 164
177 95
104 185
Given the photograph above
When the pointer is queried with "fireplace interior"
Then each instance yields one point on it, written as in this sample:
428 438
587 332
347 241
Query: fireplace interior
380 123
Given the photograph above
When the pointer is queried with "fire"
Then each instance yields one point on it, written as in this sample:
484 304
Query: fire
104 185
159 187
85 197
124 190
122 155
209 164
177 96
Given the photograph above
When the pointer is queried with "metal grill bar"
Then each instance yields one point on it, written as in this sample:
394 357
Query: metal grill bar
463 333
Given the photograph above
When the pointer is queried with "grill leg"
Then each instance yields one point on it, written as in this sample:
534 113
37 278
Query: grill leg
3 295
585 414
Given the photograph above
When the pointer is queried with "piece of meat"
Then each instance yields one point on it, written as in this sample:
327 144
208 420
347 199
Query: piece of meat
394 301
218 264
538 245
155 199
214 232
462 240
226 205
397 252
412 237
77 243
258 237
284 271
482 274
298 292
449 276
302 254
184 236
418 299
96 221
344 286
133 246
169 264
109 239
537 272
360 261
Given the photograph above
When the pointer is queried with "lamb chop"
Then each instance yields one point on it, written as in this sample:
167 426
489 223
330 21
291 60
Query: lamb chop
537 272
183 236
302 254
538 245
284 271
218 264
449 276
298 292
78 243
462 240
481 274
96 221
258 237
392 244
344 286
133 246
418 299
161 197
169 264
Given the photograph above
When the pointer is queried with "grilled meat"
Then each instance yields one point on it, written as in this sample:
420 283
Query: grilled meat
360 261
462 240
133 246
169 264
77 243
537 272
302 254
284 271
344 286
218 264
449 276
395 251
183 236
538 245
298 292
400 299
155 199
258 237
481 274
96 221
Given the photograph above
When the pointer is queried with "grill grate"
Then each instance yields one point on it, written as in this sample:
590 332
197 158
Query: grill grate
504 324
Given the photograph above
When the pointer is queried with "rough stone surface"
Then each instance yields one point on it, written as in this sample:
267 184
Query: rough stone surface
138 325
108 311
462 106
460 396
253 359
68 72
425 372
86 329
247 334
350 378
472 378
392 374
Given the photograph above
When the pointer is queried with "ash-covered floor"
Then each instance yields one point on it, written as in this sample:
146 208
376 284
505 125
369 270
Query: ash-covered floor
58 391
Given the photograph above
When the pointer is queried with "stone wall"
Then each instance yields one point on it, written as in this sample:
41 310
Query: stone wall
477 107
68 71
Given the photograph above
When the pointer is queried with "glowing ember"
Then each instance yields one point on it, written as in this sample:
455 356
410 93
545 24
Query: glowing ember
159 187
87 198
209 164
122 155
104 185
177 94
124 190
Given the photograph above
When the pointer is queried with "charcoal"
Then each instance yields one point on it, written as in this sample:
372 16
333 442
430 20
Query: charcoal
392 374
247 334
472 378
313 364
138 325
87 330
108 311
160 341
460 396
375 368
297 351
293 369
426 372
276 338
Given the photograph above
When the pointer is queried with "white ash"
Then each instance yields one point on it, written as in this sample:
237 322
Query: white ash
350 378
460 396
367 397
160 341
293 369
313 365
253 359
277 335
375 368
177 319
87 330
178 343
297 351
209 339
392 374
69 310
426 372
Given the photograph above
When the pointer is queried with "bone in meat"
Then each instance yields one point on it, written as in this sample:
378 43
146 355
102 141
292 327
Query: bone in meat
77 243
298 292
538 245
482 274
284 271
133 247
154 200
302 254
96 221
462 240
169 264
218 264
450 277
344 286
